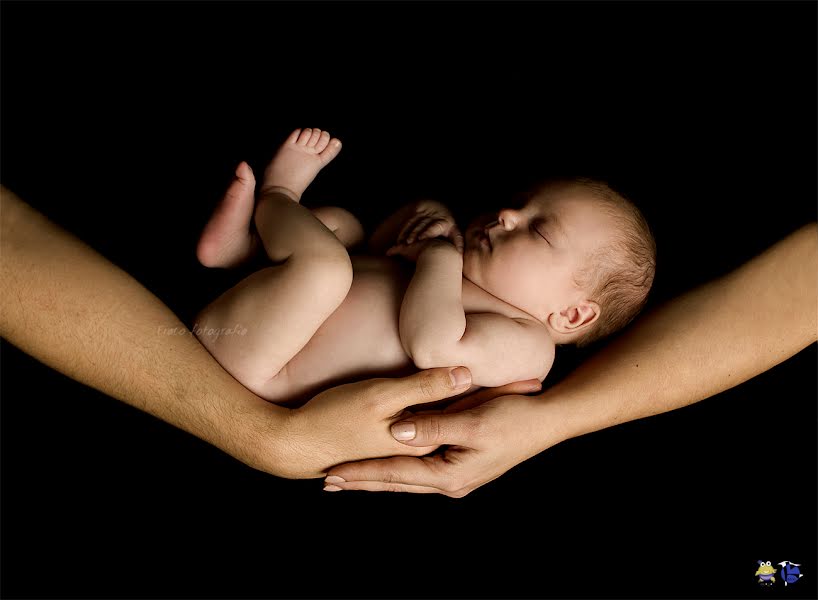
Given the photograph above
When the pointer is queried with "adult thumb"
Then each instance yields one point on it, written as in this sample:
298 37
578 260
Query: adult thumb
456 429
423 387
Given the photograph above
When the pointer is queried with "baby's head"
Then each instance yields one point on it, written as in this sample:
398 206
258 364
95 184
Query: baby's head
577 256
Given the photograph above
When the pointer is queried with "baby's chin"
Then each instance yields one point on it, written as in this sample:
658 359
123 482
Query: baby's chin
469 267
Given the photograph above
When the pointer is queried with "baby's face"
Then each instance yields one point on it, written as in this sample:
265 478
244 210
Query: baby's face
529 257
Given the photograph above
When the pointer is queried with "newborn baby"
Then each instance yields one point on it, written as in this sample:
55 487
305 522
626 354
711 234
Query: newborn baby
573 265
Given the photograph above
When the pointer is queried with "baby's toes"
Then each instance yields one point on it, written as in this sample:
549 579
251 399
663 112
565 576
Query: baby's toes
322 141
305 136
316 135
245 175
331 151
293 137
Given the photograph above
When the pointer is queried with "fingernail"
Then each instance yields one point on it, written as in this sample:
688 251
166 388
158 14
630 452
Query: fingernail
334 479
460 376
332 488
403 431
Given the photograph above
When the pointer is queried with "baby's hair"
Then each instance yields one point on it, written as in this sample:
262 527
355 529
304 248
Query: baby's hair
619 275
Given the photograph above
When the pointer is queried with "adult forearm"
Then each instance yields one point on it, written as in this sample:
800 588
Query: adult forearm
700 344
432 320
70 308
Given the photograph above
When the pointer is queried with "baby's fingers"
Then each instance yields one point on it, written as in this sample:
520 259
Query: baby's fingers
434 229
408 228
457 239
420 226
412 232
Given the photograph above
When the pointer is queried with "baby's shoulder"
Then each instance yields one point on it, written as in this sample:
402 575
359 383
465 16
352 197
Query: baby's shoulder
533 325
542 347
536 330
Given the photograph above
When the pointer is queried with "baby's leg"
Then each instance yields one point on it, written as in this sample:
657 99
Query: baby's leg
227 239
273 313
346 227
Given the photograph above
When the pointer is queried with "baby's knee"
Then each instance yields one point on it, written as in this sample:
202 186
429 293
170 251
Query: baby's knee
326 271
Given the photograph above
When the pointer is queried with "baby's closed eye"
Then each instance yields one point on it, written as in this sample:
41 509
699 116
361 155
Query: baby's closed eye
539 228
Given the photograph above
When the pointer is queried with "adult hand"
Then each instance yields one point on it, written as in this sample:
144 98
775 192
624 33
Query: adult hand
352 422
478 428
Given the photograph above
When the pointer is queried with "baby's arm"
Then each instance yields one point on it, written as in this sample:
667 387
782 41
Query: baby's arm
435 330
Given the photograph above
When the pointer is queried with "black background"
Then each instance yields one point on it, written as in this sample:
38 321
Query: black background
123 123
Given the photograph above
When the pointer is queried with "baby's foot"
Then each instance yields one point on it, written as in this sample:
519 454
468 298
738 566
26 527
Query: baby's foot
298 161
226 240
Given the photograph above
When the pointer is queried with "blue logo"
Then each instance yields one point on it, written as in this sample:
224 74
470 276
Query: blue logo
790 573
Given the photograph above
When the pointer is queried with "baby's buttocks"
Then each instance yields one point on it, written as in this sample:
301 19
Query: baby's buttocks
361 338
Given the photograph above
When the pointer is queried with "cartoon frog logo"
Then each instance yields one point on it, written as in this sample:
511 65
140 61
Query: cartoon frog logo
765 573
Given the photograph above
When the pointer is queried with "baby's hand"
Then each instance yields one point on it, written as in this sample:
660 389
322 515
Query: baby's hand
431 219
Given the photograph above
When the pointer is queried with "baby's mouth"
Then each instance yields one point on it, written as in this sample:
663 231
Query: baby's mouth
485 239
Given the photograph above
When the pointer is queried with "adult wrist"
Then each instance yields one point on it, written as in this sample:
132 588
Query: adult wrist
553 420
250 429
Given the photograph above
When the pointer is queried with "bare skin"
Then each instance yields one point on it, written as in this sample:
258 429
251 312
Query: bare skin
227 239
279 307
769 303
295 315
114 337
298 160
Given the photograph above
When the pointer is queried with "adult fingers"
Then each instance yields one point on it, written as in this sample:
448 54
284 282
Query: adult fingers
429 473
425 386
456 425
456 429
528 386
379 486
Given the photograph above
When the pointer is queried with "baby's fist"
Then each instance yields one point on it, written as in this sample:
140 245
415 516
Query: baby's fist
414 250
430 220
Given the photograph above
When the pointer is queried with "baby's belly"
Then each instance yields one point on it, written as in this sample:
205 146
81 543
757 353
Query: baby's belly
360 339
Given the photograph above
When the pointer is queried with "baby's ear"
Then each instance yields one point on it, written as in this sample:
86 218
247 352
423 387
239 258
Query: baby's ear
575 319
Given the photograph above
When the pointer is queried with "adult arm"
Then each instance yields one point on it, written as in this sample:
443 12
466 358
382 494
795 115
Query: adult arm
692 347
69 307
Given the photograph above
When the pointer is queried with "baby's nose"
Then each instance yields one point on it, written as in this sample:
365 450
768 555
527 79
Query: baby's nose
507 219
